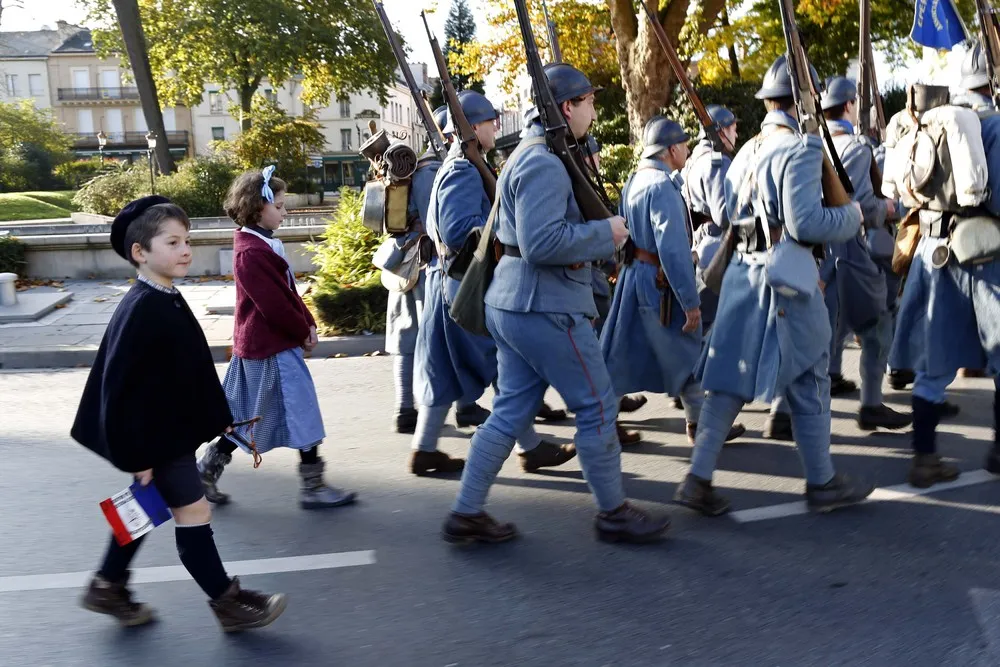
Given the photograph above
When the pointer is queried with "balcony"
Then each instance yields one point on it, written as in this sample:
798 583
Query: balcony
97 94
134 140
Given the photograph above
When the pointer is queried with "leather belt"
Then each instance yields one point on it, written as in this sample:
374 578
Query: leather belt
934 223
646 257
514 251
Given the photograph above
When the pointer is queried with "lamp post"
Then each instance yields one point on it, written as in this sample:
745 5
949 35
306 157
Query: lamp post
150 146
102 141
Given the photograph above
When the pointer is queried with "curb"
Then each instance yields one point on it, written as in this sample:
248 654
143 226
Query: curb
83 356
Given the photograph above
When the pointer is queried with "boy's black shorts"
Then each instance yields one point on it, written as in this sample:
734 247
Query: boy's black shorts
179 482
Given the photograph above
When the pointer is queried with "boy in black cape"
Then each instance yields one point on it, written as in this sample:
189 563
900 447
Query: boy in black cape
152 398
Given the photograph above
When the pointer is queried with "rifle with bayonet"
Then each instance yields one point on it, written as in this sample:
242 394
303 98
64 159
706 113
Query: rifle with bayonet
712 129
437 142
550 27
590 198
990 27
837 188
463 128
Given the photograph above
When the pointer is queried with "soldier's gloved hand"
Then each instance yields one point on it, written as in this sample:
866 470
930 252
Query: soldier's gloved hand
618 230
693 320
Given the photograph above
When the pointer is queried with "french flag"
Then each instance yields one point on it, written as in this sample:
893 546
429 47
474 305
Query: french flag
134 512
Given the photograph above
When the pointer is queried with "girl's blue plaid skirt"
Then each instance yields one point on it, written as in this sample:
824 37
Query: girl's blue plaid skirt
280 390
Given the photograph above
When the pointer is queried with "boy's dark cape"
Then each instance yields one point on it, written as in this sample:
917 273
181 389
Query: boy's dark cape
153 394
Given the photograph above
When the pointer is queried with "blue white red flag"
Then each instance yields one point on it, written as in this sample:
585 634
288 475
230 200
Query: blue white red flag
937 25
134 512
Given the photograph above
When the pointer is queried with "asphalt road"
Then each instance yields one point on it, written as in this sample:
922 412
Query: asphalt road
908 581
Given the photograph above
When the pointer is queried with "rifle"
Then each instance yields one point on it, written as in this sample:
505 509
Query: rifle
837 188
550 26
463 128
434 136
712 129
868 96
990 27
592 201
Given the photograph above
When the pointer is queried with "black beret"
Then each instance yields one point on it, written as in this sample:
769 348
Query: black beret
127 216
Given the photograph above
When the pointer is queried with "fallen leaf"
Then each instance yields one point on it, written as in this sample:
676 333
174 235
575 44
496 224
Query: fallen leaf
60 306
100 299
339 355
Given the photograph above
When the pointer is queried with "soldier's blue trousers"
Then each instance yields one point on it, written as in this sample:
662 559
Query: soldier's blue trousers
808 400
875 345
536 350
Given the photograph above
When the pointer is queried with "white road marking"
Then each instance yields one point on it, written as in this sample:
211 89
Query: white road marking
900 492
148 575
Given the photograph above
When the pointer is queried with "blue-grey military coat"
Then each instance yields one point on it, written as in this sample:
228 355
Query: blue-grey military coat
451 362
705 192
641 353
762 341
403 313
949 318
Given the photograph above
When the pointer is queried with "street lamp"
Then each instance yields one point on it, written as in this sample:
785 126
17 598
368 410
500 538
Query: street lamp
102 141
150 145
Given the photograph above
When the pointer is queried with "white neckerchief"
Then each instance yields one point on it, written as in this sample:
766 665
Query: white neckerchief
278 247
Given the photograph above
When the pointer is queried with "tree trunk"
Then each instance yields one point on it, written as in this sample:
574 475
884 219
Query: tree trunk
734 64
135 47
246 104
646 74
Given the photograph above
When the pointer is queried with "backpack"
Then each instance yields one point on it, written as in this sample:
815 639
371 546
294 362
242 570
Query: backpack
934 153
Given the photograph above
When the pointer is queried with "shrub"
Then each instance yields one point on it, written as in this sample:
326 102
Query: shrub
12 255
347 294
75 173
737 96
198 186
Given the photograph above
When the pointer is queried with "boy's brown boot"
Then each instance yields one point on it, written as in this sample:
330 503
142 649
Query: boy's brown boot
115 599
239 609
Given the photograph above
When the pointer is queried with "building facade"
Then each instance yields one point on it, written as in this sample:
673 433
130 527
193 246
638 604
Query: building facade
59 69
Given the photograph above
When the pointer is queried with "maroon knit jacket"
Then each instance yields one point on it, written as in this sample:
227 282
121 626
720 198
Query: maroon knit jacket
270 316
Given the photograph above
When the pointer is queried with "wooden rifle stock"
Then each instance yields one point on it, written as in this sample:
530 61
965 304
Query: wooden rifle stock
990 28
593 203
712 130
837 188
434 135
466 134
868 95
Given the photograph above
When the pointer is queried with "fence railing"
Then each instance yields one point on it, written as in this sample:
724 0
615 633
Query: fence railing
132 139
100 93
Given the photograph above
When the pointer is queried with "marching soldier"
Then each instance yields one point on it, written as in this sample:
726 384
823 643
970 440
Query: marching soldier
402 319
705 194
656 314
948 317
766 343
451 363
840 108
539 308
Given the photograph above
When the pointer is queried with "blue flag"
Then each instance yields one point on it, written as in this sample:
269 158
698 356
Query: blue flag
937 25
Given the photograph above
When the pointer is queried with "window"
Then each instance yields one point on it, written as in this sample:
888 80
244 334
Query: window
216 103
11 85
271 95
345 107
35 85
348 174
218 134
85 121
345 140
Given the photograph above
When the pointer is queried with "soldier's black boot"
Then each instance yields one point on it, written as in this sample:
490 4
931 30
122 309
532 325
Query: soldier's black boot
546 455
927 469
631 403
405 421
778 426
471 415
549 414
900 378
840 491
840 386
630 524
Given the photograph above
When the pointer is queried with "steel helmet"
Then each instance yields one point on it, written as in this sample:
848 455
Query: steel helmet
660 134
475 106
720 115
839 90
441 117
974 71
567 82
778 80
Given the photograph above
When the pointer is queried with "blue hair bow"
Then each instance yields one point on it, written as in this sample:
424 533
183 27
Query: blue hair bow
266 191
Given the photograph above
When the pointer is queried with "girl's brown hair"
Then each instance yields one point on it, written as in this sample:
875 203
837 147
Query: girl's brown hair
244 202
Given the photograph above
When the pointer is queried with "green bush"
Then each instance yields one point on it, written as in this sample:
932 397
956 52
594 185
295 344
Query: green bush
75 173
198 186
12 255
737 96
347 294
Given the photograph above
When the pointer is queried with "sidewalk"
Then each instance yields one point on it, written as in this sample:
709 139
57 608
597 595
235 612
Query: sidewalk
70 336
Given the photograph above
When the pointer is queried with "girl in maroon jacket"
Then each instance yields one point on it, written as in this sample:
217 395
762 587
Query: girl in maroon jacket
267 376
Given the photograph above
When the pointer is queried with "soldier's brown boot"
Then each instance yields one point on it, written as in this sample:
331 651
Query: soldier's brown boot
469 528
928 470
736 431
427 463
698 494
238 609
115 599
627 437
630 524
546 455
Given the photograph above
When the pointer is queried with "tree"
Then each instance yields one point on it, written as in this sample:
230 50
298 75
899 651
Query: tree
460 30
334 46
135 45
276 138
32 143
